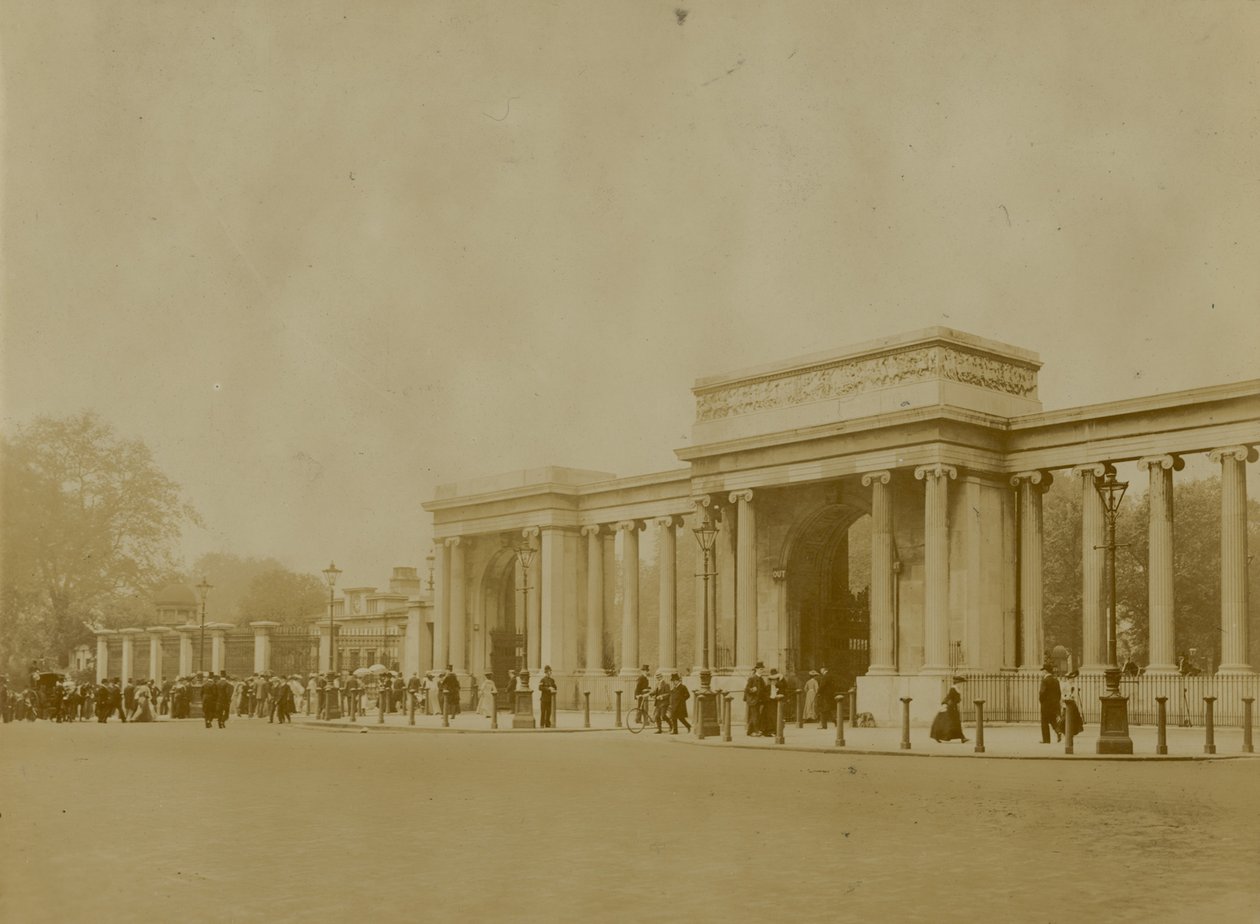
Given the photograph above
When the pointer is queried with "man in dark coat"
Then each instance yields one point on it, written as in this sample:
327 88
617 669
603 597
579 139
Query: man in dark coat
222 699
449 687
660 697
209 701
129 698
678 696
1050 696
547 699
755 693
826 705
104 702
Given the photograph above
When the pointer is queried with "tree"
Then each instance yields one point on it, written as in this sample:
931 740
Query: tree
90 525
231 576
283 596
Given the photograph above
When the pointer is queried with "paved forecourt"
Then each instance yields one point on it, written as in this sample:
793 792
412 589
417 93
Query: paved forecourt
259 822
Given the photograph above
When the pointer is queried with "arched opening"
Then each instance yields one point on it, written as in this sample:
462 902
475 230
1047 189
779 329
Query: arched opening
504 621
828 577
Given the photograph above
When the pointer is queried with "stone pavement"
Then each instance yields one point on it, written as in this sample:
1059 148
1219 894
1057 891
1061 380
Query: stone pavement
1000 740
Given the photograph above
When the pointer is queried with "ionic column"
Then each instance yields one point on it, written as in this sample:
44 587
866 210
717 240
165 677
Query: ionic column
935 566
630 596
1159 566
1234 641
667 559
441 606
883 617
1031 485
745 581
594 662
1093 566
128 653
155 651
533 603
456 655
218 648
102 653
262 644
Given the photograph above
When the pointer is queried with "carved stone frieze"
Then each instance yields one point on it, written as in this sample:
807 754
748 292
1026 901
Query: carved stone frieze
847 377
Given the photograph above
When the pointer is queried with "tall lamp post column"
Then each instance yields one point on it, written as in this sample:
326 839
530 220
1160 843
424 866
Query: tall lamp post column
522 698
1113 734
205 587
706 721
332 697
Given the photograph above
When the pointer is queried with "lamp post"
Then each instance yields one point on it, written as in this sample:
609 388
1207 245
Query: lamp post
1113 734
706 721
522 699
525 555
429 559
205 587
330 575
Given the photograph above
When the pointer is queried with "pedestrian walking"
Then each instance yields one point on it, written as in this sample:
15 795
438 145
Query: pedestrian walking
755 693
449 688
1050 696
209 701
810 707
547 699
678 696
487 693
947 725
660 700
1072 717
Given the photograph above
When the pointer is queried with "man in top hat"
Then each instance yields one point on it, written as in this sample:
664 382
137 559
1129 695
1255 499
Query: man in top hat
641 684
449 689
209 701
660 698
547 699
678 696
1050 695
755 693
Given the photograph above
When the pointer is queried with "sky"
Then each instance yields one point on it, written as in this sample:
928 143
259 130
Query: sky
323 257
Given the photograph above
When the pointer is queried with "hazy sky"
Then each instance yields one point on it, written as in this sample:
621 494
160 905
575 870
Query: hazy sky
325 256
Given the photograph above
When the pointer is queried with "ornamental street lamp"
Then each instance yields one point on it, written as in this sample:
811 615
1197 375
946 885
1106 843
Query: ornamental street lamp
1113 735
332 700
429 558
706 721
525 554
205 587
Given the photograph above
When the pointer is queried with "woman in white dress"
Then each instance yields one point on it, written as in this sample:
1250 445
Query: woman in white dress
143 711
810 708
486 694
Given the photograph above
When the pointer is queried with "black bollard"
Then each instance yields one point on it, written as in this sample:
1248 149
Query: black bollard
727 699
411 708
979 748
618 720
1247 748
699 717
839 722
778 721
380 710
905 722
1161 725
853 707
1209 743
586 709
446 716
1068 745
494 716
800 713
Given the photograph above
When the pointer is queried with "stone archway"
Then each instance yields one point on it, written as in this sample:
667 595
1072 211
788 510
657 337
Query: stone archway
828 593
504 645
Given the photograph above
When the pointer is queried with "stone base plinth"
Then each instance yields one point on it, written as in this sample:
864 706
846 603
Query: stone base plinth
881 697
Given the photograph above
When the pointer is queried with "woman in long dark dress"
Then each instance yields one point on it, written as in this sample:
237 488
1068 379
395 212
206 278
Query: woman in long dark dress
948 722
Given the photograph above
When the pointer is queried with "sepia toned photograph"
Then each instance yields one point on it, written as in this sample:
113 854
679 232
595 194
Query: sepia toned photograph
555 461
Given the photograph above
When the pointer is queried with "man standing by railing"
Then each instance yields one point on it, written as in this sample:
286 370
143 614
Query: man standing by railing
1050 696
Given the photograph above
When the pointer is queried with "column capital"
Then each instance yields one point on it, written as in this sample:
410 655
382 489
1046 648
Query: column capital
1039 480
628 525
595 529
161 630
263 626
938 470
745 495
131 632
672 521
1096 469
870 478
453 541
1166 461
1237 453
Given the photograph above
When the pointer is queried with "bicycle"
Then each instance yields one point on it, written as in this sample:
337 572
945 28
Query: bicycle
640 715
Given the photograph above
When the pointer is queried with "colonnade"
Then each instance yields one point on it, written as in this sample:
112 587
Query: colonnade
735 513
